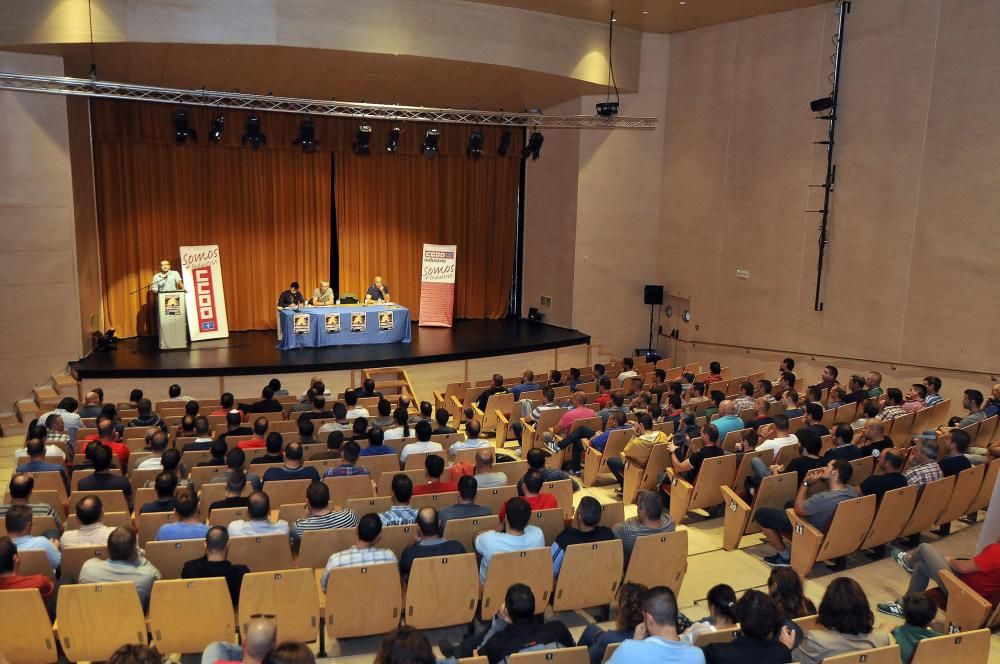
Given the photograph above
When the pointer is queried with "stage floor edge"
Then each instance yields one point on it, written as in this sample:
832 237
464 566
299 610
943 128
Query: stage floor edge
255 352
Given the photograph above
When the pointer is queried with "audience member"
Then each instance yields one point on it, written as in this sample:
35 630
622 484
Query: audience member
924 466
267 403
721 600
188 524
536 461
434 465
955 461
273 444
627 617
216 563
125 563
294 467
472 441
585 529
843 446
349 466
829 378
918 611
259 640
466 507
784 586
18 522
656 638
136 653
320 515
334 443
760 622
517 535
376 446
258 521
165 484
650 519
92 531
146 417
364 552
890 463
36 463
400 513
235 460
486 477
235 486
496 388
10 563
847 624
532 484
430 542
424 443
259 438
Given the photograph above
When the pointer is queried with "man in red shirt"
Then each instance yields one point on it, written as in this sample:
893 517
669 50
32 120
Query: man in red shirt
107 435
435 468
532 486
259 439
980 572
227 404
604 391
11 580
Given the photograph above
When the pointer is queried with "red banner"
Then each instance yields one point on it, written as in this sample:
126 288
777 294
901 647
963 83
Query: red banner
437 285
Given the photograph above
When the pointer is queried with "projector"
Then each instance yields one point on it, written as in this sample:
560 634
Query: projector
607 108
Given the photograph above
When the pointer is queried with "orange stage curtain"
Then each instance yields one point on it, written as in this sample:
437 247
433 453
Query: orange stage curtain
389 205
270 210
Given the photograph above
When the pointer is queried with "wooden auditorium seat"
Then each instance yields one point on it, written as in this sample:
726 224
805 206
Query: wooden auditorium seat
442 591
715 473
261 553
291 595
25 630
185 615
169 557
532 567
85 630
589 576
363 600
847 529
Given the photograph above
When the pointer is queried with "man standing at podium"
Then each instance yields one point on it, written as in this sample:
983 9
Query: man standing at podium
377 292
166 279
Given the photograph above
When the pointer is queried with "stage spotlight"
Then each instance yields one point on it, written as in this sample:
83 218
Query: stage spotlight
392 143
218 124
475 147
252 133
821 104
504 143
430 147
182 130
307 136
362 140
534 146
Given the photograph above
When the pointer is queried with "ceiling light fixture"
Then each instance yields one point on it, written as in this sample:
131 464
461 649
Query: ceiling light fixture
362 140
475 148
392 143
430 147
218 124
307 136
252 132
182 130
534 146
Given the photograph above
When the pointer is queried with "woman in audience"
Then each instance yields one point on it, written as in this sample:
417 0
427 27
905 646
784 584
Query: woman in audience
628 616
290 653
848 621
785 588
721 613
405 645
402 428
762 639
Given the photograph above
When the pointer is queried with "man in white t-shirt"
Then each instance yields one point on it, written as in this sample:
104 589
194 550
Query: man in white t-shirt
473 442
157 445
423 430
781 439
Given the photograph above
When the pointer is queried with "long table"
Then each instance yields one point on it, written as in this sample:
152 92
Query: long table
311 327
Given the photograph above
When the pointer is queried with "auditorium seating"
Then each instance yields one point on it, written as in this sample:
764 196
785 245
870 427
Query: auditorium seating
187 615
843 536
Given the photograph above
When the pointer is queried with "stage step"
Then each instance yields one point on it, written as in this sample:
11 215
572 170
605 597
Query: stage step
27 410
46 397
66 385
11 426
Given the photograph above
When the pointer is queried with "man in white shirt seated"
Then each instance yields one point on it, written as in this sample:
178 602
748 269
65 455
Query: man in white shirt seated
157 445
258 523
781 436
518 535
92 532
473 442
629 371
353 409
424 431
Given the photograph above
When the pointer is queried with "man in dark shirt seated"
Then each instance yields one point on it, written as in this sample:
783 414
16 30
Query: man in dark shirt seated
272 444
166 485
36 462
873 439
334 441
234 424
218 452
955 460
319 411
891 477
291 297
236 459
368 390
813 419
235 486
102 479
215 563
294 468
267 403
430 542
809 446
496 388
586 529
857 390
203 435
441 416
843 447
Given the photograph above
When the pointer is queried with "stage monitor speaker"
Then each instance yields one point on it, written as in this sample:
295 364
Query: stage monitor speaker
653 294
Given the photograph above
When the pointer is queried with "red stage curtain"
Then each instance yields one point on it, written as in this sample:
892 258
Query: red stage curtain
269 210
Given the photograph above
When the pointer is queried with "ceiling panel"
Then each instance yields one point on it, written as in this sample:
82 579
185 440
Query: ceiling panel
657 15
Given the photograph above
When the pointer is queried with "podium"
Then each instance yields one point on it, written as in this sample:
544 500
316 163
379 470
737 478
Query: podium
172 319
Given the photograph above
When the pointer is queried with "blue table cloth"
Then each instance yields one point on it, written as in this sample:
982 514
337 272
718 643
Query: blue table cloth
310 327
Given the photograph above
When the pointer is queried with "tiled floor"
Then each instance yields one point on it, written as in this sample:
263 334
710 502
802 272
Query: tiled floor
707 565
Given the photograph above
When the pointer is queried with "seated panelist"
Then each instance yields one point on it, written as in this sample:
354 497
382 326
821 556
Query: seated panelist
377 292
323 295
291 298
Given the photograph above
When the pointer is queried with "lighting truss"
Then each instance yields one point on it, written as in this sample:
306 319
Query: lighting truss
85 87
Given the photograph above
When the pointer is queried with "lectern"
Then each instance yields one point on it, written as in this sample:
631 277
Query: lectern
172 319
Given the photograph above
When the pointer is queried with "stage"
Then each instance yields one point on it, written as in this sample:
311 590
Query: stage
471 350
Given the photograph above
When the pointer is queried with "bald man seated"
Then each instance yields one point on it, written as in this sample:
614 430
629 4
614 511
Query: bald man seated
377 292
260 638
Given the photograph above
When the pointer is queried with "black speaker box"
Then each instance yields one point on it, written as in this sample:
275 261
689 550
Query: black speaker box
652 294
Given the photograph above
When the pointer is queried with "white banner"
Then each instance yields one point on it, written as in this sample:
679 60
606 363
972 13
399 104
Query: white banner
201 269
437 285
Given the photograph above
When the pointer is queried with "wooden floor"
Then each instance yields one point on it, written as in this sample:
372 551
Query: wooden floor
708 564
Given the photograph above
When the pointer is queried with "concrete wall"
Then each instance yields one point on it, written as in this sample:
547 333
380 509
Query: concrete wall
39 307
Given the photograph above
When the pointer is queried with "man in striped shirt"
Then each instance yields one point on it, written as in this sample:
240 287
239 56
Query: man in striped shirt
364 552
933 385
320 515
20 488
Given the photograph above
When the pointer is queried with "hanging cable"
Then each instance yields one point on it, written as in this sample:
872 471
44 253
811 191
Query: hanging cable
608 108
93 57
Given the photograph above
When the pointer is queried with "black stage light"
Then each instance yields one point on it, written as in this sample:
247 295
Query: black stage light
392 143
504 143
475 147
534 146
430 147
362 140
252 133
182 130
218 124
821 104
307 136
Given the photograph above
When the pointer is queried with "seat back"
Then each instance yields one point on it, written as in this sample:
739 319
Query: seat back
150 523
966 488
286 491
223 516
883 655
415 461
418 476
970 647
35 561
317 546
113 501
786 454
714 473
73 558
113 519
380 463
612 514
495 497
862 468
398 538
82 611
289 594
532 567
185 615
466 530
442 591
848 528
26 631
563 491
589 576
261 553
930 505
169 557
745 470
436 500
362 506
659 560
719 636
363 600
343 489
893 513
551 522
987 429
985 492
574 655
50 481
